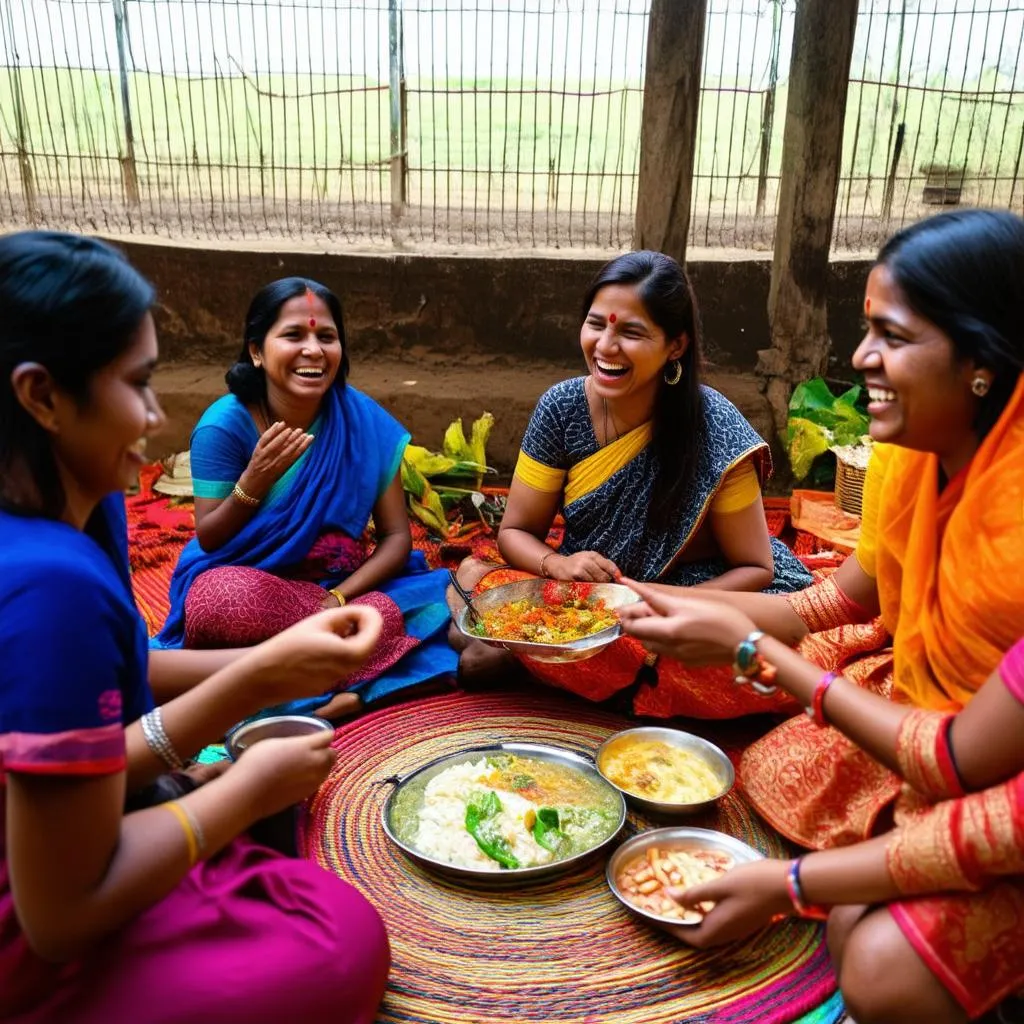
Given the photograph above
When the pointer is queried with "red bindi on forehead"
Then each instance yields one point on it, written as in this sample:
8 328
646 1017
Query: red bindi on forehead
867 306
612 318
311 300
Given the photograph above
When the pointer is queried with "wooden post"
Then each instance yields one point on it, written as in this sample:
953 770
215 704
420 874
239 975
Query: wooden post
768 115
129 169
28 183
396 90
812 150
668 131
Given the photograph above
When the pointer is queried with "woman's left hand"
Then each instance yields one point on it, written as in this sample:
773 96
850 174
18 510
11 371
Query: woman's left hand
695 631
745 900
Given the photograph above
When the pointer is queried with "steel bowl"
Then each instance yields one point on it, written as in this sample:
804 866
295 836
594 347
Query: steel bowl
615 596
272 727
677 837
714 756
510 876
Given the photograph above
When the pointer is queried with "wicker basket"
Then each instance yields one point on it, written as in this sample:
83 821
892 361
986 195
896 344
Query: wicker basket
849 487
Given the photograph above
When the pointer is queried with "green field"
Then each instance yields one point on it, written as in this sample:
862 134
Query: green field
286 141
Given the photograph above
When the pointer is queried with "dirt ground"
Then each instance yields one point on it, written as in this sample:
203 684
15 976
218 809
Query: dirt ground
426 390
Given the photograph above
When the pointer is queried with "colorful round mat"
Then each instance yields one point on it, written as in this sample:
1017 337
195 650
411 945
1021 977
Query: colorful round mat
560 951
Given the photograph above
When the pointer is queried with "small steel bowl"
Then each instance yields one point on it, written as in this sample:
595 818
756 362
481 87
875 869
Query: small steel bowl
714 756
678 837
272 727
615 595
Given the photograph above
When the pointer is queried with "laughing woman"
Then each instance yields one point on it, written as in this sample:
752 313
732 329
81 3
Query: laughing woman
287 471
657 476
933 597
923 921
158 914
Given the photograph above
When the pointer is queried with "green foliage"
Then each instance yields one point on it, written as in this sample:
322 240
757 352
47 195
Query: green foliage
442 486
819 420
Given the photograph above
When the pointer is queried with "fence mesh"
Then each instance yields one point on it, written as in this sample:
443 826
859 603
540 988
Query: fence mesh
935 114
462 123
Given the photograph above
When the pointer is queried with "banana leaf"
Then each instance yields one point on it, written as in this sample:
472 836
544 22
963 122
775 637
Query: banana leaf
423 501
440 505
455 445
818 420
427 462
414 483
479 435
805 443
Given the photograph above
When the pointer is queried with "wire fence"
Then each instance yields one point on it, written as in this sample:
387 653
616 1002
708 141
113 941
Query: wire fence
935 114
460 123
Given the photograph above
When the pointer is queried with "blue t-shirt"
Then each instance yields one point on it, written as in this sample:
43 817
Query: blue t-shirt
73 650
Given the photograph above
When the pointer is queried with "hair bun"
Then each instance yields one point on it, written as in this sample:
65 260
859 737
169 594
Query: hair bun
246 382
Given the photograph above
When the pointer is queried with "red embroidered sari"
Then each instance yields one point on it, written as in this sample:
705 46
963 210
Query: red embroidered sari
950 573
959 862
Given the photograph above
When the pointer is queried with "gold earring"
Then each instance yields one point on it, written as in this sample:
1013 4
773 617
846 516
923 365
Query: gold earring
980 385
675 375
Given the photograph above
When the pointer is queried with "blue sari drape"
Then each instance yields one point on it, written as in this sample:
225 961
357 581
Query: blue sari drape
357 450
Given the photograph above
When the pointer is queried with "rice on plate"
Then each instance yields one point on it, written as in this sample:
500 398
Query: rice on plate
504 811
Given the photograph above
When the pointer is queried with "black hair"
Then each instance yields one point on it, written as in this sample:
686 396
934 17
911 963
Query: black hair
249 382
964 271
678 429
73 305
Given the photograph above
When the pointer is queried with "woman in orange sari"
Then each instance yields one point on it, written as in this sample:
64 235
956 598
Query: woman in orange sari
923 922
656 476
941 555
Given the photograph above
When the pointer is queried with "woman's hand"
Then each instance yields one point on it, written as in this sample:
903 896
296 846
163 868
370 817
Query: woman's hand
584 565
277 773
745 900
200 774
278 448
314 655
695 631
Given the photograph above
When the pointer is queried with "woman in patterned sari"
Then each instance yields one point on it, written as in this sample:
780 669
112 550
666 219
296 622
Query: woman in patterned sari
656 475
941 553
924 921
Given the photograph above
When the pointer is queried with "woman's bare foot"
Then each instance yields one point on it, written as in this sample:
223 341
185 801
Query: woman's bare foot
482 666
341 705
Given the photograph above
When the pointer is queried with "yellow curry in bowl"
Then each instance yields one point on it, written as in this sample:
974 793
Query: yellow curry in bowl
658 771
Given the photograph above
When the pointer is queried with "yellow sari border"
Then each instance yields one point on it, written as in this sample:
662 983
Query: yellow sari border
763 470
538 476
595 470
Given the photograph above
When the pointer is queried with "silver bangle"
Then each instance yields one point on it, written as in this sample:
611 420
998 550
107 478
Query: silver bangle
156 739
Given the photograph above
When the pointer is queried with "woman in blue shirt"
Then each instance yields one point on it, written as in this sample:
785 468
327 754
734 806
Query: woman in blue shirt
157 914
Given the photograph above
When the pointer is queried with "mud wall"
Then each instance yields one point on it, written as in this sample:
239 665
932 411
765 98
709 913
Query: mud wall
518 307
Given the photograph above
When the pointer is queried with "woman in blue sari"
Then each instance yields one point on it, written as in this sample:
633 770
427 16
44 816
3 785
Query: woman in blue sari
287 471
657 477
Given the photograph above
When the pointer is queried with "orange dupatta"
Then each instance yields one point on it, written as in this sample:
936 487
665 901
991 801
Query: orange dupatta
950 566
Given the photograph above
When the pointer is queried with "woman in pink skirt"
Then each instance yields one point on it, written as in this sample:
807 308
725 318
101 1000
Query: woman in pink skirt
167 913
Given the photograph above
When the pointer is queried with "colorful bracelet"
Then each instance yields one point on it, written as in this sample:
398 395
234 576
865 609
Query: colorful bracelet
812 911
816 710
338 595
245 499
749 667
